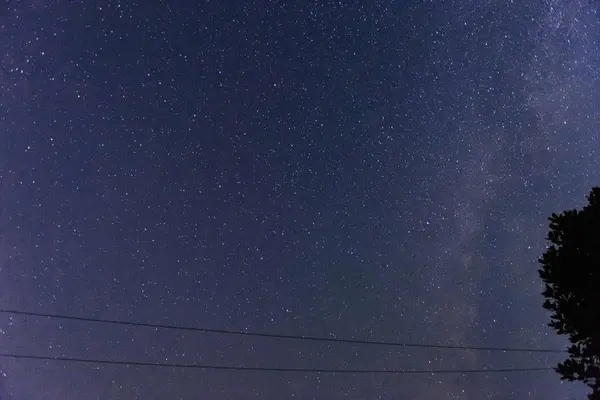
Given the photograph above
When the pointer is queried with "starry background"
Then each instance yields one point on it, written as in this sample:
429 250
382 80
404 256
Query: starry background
373 170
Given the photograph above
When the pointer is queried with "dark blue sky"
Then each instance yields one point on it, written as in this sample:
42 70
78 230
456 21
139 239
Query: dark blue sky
372 170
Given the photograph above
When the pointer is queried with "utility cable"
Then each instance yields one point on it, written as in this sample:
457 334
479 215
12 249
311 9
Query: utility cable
269 369
280 336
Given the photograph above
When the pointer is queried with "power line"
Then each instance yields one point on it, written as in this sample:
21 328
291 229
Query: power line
269 369
280 336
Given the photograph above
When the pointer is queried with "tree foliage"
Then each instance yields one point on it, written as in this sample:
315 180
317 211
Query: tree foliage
571 275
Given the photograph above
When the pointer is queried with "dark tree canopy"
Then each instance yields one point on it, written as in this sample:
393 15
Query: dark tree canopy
571 274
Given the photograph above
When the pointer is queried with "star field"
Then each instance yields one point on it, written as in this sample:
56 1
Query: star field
370 170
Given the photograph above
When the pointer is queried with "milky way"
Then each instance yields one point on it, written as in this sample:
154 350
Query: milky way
378 172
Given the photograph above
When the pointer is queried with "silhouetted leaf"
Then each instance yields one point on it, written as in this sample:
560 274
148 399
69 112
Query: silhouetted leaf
571 274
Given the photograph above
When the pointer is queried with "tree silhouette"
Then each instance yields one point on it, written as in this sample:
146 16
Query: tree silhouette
571 274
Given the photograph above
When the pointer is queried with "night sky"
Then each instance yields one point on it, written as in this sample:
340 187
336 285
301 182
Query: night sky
378 170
